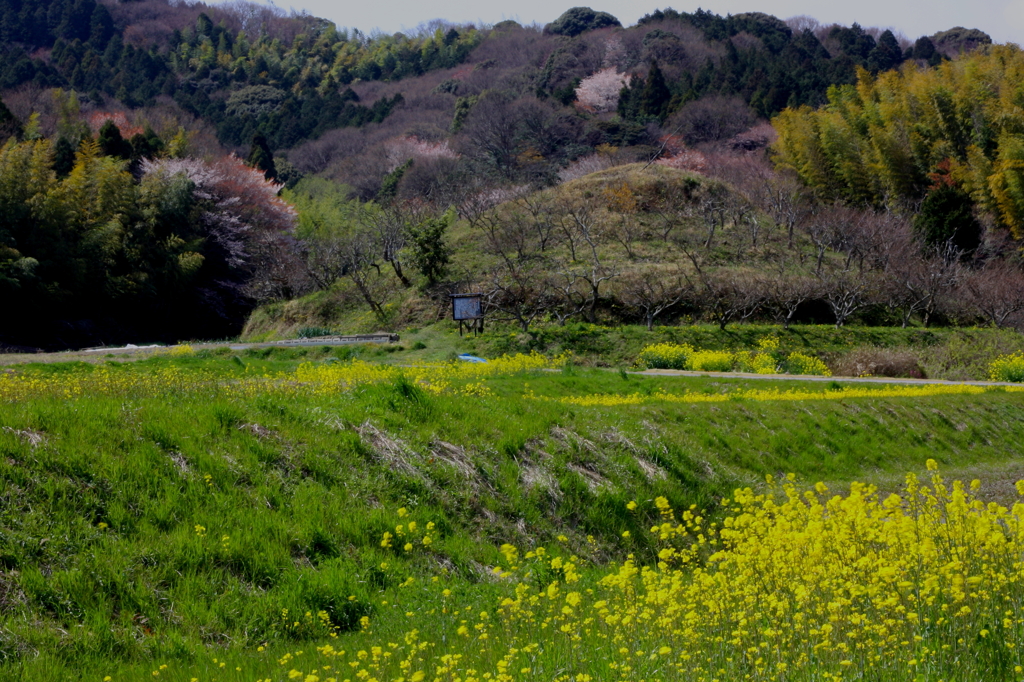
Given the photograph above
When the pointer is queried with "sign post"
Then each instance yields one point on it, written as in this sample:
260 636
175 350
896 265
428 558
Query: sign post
467 310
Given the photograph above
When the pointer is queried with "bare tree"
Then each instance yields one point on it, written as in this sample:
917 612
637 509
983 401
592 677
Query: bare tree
524 284
567 299
627 232
652 292
722 295
823 226
492 133
785 292
591 268
360 265
779 195
845 290
996 292
677 205
712 205
919 282
389 228
521 289
536 211
325 259
728 296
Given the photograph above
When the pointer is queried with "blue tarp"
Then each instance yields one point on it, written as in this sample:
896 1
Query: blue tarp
470 358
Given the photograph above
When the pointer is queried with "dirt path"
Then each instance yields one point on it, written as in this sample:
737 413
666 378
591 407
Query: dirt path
802 377
95 355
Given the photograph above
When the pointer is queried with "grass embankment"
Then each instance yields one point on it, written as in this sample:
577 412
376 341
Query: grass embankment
191 511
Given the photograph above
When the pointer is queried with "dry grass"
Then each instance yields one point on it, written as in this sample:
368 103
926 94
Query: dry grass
877 362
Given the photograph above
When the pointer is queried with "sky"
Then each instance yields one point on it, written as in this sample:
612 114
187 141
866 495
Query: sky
1001 19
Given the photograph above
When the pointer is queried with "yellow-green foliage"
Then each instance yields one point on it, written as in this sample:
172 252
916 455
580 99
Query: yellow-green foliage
460 378
712 361
765 360
665 356
882 137
798 363
762 361
1007 368
792 584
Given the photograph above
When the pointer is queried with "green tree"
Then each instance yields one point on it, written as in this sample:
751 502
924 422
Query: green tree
389 185
111 143
430 252
947 217
578 20
881 141
655 97
887 54
260 157
63 157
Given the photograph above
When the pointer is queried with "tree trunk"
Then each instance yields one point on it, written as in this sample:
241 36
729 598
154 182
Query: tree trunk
397 267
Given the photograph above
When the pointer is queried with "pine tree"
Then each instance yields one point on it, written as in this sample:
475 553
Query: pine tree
886 54
111 143
655 97
629 98
261 157
63 157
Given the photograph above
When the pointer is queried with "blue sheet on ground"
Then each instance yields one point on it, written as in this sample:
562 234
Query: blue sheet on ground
470 358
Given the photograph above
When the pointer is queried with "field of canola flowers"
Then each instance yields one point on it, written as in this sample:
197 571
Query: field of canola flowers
435 378
780 584
791 584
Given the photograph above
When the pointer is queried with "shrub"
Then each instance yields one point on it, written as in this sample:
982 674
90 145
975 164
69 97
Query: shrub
665 356
798 363
758 363
711 361
313 332
765 360
1007 368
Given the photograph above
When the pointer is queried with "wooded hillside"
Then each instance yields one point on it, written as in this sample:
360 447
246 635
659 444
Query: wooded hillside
146 154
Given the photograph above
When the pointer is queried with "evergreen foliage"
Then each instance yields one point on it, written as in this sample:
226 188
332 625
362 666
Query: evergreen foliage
655 97
946 216
389 185
89 54
111 143
430 252
577 20
261 158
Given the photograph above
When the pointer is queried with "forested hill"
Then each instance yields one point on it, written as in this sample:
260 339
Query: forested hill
241 67
124 215
247 69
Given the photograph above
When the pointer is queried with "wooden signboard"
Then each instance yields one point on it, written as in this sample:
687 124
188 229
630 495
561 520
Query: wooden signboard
467 310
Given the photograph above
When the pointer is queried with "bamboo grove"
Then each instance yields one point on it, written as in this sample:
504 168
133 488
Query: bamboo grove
894 138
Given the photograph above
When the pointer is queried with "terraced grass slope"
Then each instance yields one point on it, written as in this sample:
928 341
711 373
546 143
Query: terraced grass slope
190 507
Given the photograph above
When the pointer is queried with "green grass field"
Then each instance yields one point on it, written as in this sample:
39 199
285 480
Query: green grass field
197 509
